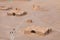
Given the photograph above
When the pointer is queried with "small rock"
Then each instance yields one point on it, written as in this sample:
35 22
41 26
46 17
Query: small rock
36 7
29 21
37 30
16 12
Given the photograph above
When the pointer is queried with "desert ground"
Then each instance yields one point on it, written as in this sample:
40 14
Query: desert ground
47 16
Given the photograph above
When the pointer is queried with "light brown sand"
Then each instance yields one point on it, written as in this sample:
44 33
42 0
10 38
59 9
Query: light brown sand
50 18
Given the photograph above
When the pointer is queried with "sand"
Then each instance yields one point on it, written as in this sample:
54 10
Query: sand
47 16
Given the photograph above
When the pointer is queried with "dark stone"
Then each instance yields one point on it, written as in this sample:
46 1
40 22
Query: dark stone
32 31
14 14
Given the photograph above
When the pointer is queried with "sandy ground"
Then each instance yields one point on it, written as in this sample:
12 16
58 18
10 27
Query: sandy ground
50 18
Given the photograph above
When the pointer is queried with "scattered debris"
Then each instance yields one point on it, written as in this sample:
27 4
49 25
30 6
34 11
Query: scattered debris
16 12
37 30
